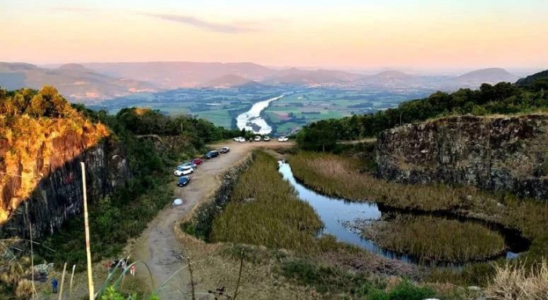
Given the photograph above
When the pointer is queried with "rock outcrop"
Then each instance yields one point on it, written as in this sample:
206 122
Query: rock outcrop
41 180
492 153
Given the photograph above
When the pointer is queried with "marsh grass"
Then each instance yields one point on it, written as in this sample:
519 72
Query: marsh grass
340 176
265 210
435 239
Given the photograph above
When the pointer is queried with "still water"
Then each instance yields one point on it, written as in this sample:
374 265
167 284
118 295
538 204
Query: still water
335 212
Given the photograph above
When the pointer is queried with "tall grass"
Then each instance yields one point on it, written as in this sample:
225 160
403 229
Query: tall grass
514 282
265 210
436 239
339 176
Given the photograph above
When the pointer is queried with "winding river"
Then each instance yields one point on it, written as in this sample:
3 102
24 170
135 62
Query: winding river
252 120
335 212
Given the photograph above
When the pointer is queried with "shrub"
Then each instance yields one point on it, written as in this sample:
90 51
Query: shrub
327 279
24 289
518 282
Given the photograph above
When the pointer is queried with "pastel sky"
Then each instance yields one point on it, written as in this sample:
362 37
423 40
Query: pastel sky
425 34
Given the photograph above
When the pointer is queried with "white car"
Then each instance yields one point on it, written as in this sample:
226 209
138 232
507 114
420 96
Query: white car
283 139
239 139
183 170
258 138
266 139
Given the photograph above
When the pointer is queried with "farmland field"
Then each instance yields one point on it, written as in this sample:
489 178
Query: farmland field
287 115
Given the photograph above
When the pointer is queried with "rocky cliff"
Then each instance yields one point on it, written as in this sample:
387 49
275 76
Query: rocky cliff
40 174
492 153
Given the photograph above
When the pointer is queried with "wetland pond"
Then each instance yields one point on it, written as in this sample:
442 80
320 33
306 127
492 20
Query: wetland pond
337 214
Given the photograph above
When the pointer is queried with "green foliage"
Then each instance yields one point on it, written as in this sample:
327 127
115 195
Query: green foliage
406 291
125 213
44 103
146 121
328 279
535 82
502 98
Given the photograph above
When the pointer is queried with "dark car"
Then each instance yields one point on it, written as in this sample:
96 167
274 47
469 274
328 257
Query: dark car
212 154
224 150
183 181
197 161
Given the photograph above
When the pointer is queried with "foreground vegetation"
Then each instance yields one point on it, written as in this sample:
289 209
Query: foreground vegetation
435 239
265 210
502 98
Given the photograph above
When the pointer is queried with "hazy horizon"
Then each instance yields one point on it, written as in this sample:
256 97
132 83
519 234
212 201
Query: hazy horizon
396 34
448 71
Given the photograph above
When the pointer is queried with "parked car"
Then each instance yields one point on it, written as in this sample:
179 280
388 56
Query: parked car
190 164
197 161
266 139
239 139
183 170
183 181
258 138
224 150
283 139
212 154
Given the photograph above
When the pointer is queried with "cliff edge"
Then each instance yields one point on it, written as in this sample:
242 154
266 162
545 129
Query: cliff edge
508 154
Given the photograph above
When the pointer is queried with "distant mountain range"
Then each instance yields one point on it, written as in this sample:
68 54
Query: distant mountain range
74 81
100 81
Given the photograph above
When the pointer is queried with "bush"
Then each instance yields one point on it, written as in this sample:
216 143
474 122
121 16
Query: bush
403 291
518 282
24 289
328 279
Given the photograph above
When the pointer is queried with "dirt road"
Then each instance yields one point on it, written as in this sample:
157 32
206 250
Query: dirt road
158 246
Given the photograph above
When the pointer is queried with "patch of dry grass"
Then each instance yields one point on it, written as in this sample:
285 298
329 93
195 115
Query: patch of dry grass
515 282
265 210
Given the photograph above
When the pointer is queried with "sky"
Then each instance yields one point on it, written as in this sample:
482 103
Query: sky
357 34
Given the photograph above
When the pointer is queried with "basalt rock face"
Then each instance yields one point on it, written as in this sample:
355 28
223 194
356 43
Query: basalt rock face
492 153
58 196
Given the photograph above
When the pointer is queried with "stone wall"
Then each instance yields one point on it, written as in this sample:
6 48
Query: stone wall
492 153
